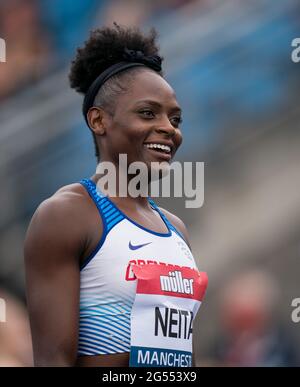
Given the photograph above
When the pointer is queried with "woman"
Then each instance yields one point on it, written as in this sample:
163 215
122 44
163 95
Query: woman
82 245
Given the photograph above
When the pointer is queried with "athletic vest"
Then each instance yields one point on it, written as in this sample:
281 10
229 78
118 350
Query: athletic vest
107 281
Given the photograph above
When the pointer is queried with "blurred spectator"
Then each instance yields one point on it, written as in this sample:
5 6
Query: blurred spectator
15 337
26 43
250 336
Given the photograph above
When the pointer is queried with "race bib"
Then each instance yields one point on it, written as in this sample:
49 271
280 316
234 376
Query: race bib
167 300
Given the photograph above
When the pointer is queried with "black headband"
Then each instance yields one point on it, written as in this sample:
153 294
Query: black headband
131 59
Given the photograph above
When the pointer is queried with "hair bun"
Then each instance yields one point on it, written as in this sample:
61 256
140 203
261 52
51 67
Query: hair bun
110 45
152 61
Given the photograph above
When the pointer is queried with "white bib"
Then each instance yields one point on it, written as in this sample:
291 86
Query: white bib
166 303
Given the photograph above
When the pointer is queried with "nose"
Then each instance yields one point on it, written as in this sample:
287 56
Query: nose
167 129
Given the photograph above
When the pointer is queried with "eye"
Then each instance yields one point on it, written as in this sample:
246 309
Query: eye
147 113
176 121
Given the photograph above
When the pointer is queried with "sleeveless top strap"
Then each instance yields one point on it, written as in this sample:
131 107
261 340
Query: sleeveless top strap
109 213
169 224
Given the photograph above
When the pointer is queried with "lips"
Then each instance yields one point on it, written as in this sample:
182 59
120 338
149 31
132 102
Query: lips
160 149
159 154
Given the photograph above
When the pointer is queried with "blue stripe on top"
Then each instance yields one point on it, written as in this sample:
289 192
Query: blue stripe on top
94 192
107 211
104 329
110 214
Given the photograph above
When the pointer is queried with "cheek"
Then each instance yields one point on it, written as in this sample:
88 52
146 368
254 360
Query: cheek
178 138
128 138
135 134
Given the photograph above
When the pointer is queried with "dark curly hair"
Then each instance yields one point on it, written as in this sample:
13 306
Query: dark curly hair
104 48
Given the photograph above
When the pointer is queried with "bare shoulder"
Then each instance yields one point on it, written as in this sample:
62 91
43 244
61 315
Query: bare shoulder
71 191
65 204
59 220
178 223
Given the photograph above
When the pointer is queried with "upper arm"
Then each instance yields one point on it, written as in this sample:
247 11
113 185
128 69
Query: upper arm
178 224
51 251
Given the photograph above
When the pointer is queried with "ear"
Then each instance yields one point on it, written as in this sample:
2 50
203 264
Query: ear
97 119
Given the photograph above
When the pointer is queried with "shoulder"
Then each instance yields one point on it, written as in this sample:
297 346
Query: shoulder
59 219
178 223
68 202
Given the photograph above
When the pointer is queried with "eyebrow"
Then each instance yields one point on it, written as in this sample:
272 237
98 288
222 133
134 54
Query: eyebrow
157 104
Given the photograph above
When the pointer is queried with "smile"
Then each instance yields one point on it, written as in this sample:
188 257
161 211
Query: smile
159 147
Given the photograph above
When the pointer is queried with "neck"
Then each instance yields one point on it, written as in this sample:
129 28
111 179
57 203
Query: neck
118 189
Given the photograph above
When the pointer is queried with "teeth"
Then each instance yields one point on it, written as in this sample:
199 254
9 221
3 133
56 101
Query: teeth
163 147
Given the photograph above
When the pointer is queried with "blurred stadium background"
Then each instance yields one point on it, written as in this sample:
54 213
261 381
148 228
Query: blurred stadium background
230 64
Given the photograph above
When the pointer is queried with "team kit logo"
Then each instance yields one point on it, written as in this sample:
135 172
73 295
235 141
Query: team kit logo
167 300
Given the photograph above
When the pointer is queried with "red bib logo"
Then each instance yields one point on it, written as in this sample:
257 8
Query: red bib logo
175 283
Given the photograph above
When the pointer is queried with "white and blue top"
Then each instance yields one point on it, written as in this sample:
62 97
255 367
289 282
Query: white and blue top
107 283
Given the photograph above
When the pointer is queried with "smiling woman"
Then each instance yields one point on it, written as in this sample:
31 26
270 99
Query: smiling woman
88 300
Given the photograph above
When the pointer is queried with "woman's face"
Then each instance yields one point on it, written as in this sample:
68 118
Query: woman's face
148 113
